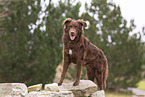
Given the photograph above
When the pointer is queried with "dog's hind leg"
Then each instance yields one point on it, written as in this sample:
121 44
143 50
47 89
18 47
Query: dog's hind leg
90 73
99 79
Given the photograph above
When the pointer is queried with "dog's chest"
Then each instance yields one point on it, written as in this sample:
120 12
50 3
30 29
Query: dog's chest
75 53
70 52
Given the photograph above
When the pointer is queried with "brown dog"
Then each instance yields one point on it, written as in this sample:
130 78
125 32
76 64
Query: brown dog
78 50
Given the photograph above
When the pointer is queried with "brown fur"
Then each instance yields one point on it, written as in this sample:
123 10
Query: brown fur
81 52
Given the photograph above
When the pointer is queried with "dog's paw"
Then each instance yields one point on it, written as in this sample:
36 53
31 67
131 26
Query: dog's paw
75 83
59 83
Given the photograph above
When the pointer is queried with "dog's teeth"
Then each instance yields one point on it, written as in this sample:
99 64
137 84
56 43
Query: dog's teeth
70 52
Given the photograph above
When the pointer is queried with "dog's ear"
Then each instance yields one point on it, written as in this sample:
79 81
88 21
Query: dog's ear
82 22
67 21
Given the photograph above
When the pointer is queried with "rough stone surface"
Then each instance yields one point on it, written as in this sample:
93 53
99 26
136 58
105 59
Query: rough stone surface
50 94
98 94
13 90
85 88
51 87
35 87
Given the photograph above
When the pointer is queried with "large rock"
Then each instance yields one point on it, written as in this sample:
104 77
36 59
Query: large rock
51 87
98 94
50 94
85 88
13 90
35 87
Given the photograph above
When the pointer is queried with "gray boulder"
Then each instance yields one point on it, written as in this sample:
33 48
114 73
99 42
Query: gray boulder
50 94
85 88
35 87
13 90
51 87
98 94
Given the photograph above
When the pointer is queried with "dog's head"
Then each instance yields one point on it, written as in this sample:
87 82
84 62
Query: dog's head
74 27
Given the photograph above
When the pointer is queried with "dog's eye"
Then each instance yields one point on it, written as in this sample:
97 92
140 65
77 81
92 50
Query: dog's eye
70 26
75 26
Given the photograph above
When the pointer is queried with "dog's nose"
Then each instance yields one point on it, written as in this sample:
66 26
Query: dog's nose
72 32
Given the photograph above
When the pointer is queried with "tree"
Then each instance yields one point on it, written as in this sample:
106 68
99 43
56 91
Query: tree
47 46
15 61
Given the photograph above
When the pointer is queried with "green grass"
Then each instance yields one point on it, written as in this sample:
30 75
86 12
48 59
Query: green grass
141 85
117 94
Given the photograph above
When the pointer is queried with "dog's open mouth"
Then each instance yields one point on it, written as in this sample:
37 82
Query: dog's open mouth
72 37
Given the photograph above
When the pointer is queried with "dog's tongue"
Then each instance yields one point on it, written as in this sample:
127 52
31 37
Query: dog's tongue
72 37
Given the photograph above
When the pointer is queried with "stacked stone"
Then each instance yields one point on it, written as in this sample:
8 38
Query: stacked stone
84 89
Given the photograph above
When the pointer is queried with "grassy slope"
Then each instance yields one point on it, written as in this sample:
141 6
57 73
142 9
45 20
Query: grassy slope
141 85
116 94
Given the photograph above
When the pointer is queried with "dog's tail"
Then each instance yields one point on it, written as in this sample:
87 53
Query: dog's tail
105 74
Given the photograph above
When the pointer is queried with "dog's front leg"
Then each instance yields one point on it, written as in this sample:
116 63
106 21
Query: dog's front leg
65 64
78 74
